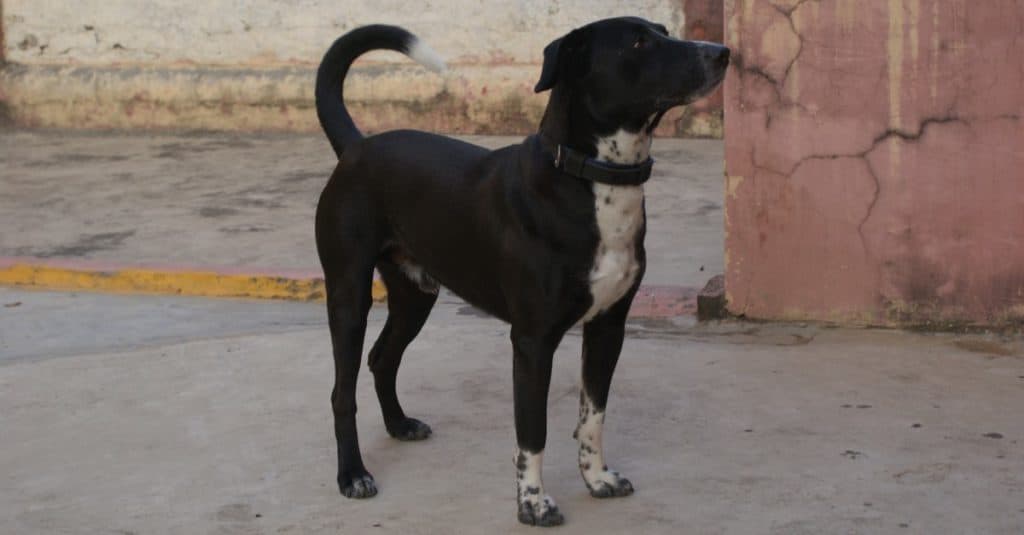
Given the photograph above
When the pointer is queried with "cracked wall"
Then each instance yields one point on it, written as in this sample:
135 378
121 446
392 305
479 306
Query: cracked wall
875 161
192 64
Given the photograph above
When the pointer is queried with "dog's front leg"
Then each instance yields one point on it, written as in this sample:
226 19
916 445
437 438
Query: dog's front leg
602 343
532 377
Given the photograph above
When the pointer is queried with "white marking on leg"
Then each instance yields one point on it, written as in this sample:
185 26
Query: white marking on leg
619 211
426 56
600 480
535 507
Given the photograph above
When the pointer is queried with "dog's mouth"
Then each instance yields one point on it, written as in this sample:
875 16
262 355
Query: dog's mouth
714 76
707 89
665 103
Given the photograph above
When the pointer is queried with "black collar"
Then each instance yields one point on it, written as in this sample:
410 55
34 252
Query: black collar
580 165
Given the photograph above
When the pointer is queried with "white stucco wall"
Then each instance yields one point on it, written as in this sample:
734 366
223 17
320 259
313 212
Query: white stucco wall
288 32
250 64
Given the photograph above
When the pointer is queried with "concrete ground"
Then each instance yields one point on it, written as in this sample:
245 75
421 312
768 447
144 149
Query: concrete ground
137 414
143 414
229 200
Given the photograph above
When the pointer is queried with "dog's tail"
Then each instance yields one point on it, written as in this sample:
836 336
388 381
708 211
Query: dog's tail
330 104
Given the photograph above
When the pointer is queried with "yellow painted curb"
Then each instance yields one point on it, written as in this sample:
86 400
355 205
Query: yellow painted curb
196 283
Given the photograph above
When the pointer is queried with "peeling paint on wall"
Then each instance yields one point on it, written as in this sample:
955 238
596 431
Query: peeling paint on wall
914 19
934 65
3 43
895 61
846 15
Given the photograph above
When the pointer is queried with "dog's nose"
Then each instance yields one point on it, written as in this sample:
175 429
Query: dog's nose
723 57
716 55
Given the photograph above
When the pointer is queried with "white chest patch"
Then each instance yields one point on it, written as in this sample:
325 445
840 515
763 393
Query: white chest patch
619 212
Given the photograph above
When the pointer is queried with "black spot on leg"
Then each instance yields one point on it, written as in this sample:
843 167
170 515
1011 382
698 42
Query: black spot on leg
532 490
521 462
585 466
607 200
520 467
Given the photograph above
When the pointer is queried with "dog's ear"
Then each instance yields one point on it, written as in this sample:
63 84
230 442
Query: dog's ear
549 71
557 59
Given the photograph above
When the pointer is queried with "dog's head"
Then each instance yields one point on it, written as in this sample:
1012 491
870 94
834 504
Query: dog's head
624 70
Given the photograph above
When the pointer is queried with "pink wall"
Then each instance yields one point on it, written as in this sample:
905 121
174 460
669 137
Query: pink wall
875 161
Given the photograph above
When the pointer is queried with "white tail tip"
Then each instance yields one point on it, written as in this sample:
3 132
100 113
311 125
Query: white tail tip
426 56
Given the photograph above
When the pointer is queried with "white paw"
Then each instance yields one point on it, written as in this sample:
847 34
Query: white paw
604 483
538 509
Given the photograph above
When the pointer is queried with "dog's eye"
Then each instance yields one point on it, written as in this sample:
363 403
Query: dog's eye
641 42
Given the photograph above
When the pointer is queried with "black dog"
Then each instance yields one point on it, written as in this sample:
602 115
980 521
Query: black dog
544 235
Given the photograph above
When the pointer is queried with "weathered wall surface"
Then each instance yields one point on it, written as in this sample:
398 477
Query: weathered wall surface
875 160
3 50
704 22
250 65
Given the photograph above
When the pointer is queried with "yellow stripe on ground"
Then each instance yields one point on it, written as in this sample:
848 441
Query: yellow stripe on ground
197 283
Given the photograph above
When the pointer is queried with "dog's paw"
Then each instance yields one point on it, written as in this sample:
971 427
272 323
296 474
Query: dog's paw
536 510
357 485
608 484
409 429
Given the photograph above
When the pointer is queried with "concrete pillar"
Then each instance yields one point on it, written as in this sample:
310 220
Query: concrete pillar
875 161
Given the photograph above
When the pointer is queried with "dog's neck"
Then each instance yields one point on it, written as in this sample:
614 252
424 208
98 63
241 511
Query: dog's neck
567 122
624 147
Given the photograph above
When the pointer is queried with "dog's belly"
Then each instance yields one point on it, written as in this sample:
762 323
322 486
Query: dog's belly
619 214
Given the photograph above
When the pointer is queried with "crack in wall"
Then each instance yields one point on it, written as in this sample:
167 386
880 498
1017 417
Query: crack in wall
788 13
863 155
758 71
921 128
777 85
929 133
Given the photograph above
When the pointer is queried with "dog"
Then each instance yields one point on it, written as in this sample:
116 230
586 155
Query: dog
545 235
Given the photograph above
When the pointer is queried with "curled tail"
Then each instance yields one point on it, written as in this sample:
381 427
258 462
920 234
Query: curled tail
330 78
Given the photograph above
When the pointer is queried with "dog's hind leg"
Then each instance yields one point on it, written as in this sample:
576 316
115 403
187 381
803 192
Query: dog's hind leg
409 304
602 343
348 276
